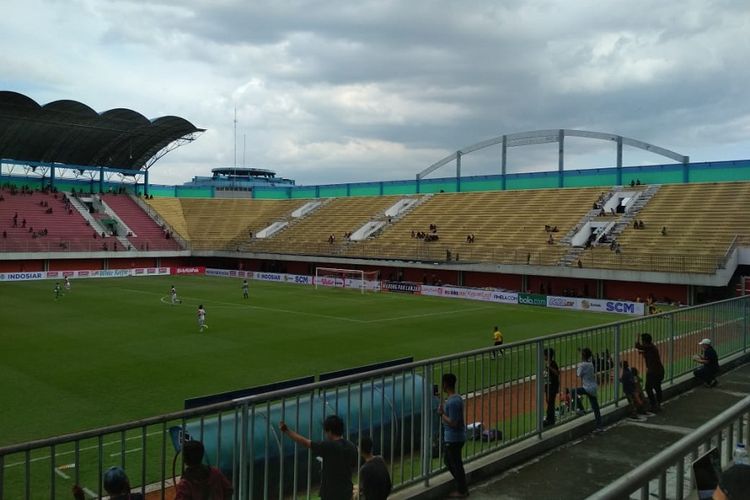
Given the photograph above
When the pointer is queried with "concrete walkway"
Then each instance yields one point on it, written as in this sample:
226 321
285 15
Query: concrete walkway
584 466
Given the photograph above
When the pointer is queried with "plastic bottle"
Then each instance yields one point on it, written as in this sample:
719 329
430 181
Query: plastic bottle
740 454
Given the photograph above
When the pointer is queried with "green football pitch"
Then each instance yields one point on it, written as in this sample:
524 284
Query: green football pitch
113 350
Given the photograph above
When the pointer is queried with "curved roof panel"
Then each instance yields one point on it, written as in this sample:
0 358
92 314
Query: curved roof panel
72 133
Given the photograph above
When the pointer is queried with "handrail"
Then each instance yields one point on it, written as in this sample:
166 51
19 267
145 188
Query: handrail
730 249
653 467
154 214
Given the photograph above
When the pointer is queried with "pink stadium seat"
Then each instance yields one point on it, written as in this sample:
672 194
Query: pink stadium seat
147 234
66 230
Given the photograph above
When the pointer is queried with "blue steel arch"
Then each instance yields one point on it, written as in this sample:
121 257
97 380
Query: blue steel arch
546 136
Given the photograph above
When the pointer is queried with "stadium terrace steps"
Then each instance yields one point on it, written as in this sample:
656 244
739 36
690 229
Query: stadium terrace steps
701 221
221 224
338 216
170 209
507 226
147 234
66 229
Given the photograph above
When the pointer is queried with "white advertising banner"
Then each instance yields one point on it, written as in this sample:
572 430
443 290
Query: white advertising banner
456 292
85 273
597 305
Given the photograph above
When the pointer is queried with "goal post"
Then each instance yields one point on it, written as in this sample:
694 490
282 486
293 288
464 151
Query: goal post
330 277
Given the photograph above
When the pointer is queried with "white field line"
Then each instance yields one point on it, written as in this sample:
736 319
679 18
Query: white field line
165 300
85 448
89 492
61 474
132 450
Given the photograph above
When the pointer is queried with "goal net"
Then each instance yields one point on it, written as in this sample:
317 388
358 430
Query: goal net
365 281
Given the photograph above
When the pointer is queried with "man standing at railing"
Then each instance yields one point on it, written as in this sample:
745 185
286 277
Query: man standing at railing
587 374
454 434
339 458
654 370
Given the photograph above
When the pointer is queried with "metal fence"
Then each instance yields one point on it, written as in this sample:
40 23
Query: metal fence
668 474
503 388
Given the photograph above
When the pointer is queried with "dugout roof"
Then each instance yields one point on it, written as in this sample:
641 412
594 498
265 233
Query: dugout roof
71 133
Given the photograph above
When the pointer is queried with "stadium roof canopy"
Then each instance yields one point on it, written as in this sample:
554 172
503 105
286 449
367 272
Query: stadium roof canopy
71 133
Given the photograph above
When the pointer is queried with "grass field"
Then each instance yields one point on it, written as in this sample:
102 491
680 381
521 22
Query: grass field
114 350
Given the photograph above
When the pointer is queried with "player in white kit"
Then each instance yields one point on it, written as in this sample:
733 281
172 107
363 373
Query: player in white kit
202 318
67 284
173 295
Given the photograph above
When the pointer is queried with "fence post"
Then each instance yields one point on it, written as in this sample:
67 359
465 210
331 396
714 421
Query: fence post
243 493
540 371
671 348
746 311
427 424
616 381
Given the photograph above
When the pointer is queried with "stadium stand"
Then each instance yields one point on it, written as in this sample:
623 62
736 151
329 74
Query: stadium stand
311 233
220 224
66 229
701 222
506 226
147 234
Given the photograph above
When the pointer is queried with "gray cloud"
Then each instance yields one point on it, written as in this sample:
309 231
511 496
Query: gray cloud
338 91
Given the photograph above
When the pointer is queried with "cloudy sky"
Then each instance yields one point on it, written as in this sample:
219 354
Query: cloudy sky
376 90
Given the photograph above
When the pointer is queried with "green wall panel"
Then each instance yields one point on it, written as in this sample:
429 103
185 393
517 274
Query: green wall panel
305 192
405 188
590 179
532 182
720 174
332 191
365 190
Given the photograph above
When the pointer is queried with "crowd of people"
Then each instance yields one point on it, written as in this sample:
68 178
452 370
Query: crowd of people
431 235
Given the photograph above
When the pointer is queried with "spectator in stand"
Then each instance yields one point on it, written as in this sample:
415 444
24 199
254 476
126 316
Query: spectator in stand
641 225
199 481
710 364
664 230
5 234
116 484
654 370
23 223
587 374
339 458
551 384
550 240
374 480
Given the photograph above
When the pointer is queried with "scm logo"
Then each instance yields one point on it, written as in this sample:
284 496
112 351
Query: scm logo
620 307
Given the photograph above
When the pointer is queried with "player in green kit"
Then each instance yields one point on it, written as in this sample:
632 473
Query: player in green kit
57 290
245 289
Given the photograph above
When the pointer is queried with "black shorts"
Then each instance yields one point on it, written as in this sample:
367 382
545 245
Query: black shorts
498 342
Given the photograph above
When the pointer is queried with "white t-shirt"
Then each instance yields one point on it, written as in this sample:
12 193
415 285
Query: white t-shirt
587 374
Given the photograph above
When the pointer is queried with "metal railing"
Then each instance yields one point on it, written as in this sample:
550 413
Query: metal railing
503 389
668 474
467 253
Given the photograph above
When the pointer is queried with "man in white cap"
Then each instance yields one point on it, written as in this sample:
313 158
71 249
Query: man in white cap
709 361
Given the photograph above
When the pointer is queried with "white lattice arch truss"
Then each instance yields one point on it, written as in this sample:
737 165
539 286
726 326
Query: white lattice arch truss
546 136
